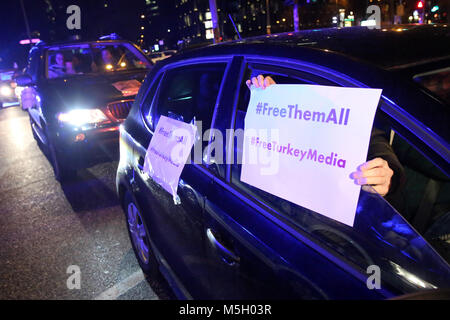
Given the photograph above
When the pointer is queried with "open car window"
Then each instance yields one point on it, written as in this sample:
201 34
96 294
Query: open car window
437 81
378 227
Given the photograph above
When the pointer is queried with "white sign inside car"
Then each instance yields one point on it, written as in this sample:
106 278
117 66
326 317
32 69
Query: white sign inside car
302 142
168 152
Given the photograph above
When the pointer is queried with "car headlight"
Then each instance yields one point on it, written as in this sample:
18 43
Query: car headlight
78 117
6 91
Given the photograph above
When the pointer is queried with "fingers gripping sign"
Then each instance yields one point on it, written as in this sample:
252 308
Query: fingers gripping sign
260 82
376 173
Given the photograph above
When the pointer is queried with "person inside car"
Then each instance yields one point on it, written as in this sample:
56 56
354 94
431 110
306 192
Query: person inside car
383 172
75 65
105 61
57 68
107 57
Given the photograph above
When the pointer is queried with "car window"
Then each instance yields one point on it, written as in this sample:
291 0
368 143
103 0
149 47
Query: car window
80 59
117 57
424 199
71 60
437 81
189 93
377 227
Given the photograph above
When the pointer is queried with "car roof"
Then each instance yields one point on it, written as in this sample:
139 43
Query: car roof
387 48
79 42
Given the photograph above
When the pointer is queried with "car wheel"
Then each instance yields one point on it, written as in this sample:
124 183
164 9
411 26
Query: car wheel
63 172
140 240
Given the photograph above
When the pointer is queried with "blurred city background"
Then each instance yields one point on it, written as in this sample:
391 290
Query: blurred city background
157 25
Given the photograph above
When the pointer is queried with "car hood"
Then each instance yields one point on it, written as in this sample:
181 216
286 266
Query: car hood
89 91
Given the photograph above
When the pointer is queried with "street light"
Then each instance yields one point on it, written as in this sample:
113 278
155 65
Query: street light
268 17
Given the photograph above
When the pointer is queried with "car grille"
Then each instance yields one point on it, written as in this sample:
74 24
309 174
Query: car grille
120 109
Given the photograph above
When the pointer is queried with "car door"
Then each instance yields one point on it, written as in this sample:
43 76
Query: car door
266 247
186 93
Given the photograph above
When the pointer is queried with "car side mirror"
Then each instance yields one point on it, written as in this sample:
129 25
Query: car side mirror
24 80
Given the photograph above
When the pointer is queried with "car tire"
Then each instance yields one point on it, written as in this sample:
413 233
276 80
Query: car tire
63 172
139 238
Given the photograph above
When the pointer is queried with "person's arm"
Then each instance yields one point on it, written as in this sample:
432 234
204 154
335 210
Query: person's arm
379 147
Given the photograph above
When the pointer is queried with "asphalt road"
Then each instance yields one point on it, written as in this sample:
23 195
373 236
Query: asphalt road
46 227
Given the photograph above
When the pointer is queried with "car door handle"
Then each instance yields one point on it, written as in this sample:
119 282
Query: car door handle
227 255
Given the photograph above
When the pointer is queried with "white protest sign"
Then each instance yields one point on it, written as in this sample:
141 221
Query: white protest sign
302 142
127 87
168 151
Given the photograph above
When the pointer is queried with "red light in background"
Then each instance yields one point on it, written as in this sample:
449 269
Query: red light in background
419 5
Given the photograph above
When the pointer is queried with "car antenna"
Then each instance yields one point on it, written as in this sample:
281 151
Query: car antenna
239 35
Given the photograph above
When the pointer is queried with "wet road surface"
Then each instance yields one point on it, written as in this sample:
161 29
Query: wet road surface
46 227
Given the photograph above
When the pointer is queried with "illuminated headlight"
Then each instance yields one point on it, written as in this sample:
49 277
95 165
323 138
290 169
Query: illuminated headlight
78 117
6 91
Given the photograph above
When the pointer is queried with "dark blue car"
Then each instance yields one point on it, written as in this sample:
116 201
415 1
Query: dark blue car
224 239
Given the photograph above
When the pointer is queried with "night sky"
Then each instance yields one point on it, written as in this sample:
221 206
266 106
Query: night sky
96 21
12 30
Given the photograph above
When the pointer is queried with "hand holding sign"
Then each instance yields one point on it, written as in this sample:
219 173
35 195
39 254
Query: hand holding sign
322 132
376 172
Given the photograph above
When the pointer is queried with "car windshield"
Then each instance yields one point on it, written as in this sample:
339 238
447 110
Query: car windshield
98 58
437 81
